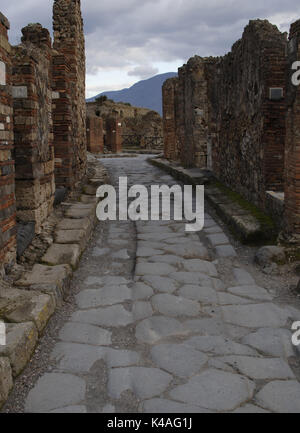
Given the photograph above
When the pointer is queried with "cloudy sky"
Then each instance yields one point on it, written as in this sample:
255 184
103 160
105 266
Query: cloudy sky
130 40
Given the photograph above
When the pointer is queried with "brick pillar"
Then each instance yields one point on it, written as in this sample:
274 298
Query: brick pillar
169 121
7 178
292 143
69 40
94 129
65 160
34 152
114 139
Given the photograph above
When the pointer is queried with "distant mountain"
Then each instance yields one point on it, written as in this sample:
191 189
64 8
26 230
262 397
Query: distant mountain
145 93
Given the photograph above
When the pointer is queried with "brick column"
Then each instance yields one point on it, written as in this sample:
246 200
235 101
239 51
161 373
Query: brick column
114 135
32 93
292 143
94 129
7 178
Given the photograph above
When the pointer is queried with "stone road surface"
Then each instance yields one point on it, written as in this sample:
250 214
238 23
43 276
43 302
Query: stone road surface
158 327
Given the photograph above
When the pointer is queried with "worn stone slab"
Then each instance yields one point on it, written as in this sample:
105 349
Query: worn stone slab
191 278
107 295
206 295
79 237
105 280
160 405
218 239
141 310
59 254
215 326
113 316
216 390
143 382
260 368
225 251
228 299
80 213
55 390
148 252
161 284
197 265
76 358
280 396
75 224
243 277
179 359
85 334
121 255
6 381
166 258
155 328
219 345
252 292
160 269
271 341
174 306
21 339
255 315
190 250
141 291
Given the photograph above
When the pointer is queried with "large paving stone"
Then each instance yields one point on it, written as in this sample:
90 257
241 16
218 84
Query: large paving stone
255 315
273 342
148 252
215 390
206 295
191 250
166 258
59 254
228 299
21 339
143 382
280 396
243 277
155 328
174 306
219 345
197 265
107 295
141 291
6 381
113 316
105 280
86 334
55 390
154 269
191 278
260 368
252 292
215 326
160 405
141 310
218 239
225 251
161 284
178 359
77 236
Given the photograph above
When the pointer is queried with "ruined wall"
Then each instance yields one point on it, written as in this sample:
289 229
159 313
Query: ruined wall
34 152
169 120
7 181
248 149
292 144
69 40
94 129
114 135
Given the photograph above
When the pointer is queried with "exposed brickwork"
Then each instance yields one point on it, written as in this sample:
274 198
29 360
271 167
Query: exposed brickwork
114 135
292 144
169 125
69 40
34 152
94 128
7 182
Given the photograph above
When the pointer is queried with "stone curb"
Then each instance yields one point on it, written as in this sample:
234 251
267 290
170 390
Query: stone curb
244 225
30 305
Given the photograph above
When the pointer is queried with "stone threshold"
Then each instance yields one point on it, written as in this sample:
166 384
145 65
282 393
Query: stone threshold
246 222
27 307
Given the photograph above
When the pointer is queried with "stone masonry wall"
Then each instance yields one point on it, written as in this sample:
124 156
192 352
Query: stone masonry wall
292 144
69 40
114 135
169 124
95 142
34 152
7 178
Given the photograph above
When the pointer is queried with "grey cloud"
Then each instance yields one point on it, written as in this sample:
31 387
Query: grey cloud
143 72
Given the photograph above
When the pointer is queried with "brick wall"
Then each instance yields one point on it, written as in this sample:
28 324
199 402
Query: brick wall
69 40
7 182
94 129
114 135
292 145
32 100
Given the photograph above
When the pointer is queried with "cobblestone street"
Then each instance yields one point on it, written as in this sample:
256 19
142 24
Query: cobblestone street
169 321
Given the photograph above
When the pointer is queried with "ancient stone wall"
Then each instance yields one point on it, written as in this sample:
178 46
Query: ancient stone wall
169 124
7 178
32 101
114 135
292 144
69 40
247 112
94 129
